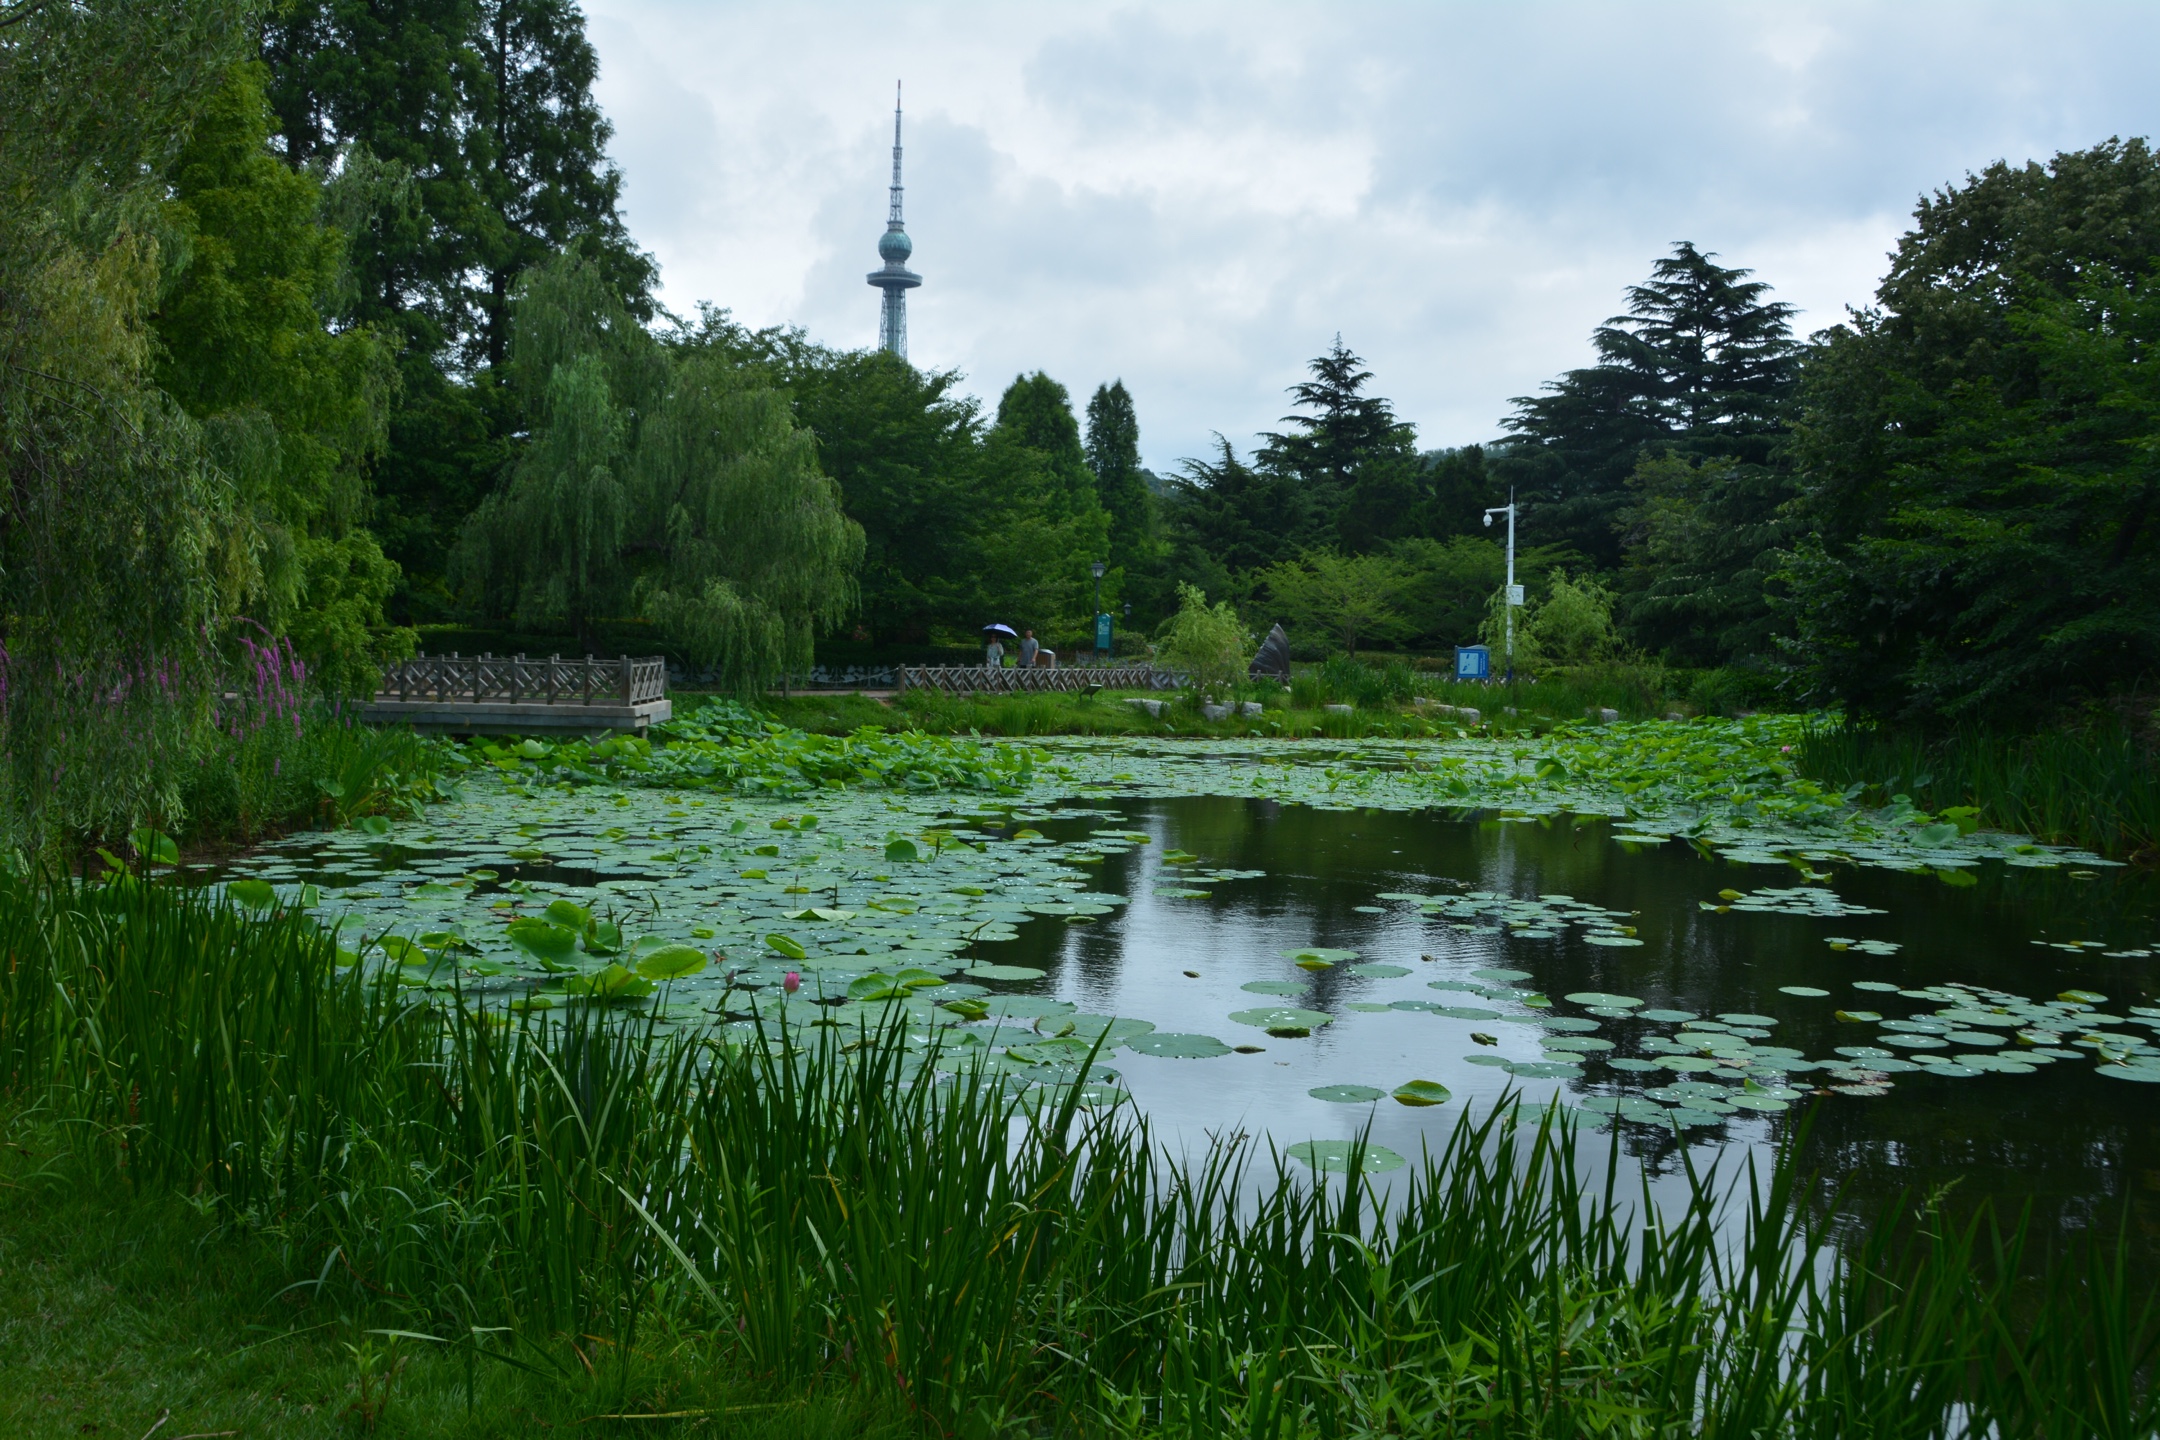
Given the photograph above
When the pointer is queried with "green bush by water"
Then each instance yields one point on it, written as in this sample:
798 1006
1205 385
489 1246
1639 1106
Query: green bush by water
2097 786
314 764
850 1212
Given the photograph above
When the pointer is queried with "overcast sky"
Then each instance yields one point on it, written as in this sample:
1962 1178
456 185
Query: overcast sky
1197 197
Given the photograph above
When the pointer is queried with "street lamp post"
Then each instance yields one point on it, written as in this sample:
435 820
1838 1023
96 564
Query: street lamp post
1102 621
1514 591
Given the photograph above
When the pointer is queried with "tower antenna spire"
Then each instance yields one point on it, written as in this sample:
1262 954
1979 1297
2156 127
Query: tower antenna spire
894 247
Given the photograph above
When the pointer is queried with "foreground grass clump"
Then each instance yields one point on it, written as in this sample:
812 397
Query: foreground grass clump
2096 785
587 1215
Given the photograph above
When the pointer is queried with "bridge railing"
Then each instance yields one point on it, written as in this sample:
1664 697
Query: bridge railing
520 680
986 680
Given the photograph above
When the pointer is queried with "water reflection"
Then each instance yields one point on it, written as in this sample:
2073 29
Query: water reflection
2081 1150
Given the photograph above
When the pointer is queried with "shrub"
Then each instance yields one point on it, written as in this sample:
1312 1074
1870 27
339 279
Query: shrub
1207 642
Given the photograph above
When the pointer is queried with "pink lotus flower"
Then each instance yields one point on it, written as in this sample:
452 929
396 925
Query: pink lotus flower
791 983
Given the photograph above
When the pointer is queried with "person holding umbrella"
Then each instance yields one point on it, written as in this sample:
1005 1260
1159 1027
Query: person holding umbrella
994 651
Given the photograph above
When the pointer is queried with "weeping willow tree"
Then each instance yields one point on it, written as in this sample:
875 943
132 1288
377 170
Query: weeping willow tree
672 485
753 554
118 551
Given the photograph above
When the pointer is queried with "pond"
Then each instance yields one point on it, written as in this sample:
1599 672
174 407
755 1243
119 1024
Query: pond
1301 942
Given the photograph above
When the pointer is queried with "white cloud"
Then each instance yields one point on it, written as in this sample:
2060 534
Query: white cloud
1197 197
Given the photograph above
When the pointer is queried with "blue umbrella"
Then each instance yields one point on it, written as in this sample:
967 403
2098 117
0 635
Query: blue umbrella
1002 628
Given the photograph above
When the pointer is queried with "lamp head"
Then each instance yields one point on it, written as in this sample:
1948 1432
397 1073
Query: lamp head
1488 517
1097 568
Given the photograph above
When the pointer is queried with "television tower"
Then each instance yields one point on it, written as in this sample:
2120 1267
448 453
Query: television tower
894 247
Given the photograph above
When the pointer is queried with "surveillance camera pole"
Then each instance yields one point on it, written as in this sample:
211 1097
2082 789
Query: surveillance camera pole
1514 594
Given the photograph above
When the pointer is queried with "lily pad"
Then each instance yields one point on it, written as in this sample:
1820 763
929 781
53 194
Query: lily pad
1004 972
1275 987
1347 1094
1335 1156
1601 999
1379 972
1806 992
672 962
1420 1093
1170 1046
1288 1020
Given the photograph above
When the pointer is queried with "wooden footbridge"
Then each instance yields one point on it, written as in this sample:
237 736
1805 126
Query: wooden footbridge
497 695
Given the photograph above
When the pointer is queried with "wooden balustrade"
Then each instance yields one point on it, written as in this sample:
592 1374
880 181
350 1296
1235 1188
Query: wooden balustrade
985 680
518 680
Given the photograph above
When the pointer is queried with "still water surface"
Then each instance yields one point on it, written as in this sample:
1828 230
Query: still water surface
2081 1149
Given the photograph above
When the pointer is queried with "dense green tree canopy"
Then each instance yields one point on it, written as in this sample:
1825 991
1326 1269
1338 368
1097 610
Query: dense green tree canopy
292 412
669 480
120 559
473 125
1113 454
1977 453
1357 462
1700 363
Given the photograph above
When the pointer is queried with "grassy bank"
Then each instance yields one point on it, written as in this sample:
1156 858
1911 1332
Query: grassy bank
1392 700
581 1215
2094 785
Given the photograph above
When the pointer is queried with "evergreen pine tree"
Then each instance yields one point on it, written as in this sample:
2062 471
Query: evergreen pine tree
1036 411
1356 461
1700 363
1113 453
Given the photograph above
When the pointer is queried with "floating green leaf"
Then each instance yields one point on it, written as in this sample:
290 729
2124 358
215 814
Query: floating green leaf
1421 1093
1177 1047
672 962
1347 1094
1336 1156
1284 1020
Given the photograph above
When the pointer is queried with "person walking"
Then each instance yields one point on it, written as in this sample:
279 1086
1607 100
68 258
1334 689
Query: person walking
1029 645
994 652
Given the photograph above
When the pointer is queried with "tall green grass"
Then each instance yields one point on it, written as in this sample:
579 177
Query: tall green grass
855 1208
2094 785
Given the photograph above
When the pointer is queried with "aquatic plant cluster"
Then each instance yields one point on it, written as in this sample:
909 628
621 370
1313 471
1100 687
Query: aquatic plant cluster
562 1191
744 875
726 746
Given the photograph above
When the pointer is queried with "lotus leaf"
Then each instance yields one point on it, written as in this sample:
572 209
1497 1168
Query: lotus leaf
1347 1094
613 982
1421 1093
1004 972
1337 1156
1177 1047
672 962
545 941
1283 1020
